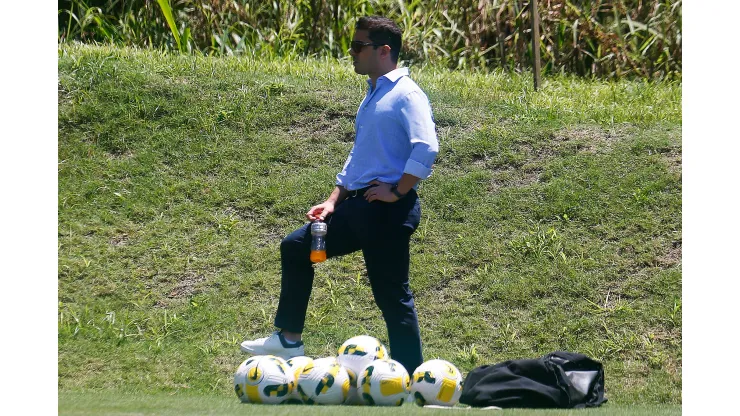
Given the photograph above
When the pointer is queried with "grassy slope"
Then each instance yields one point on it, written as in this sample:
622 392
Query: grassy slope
552 220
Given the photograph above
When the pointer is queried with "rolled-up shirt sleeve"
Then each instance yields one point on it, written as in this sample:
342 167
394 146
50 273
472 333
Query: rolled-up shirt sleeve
417 121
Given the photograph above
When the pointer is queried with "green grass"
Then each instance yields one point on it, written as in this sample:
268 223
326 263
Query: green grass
552 220
112 403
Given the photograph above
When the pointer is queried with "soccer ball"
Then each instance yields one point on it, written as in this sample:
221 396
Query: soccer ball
354 355
357 352
353 397
263 379
436 382
384 383
324 381
297 364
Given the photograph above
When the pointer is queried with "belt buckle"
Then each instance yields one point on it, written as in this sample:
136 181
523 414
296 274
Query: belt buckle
356 192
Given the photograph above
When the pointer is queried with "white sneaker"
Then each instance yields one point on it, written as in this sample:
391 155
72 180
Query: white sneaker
275 344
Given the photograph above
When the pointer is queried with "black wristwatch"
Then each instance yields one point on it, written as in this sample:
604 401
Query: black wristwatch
394 189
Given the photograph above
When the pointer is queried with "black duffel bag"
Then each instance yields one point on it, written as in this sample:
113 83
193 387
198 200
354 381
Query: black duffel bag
557 380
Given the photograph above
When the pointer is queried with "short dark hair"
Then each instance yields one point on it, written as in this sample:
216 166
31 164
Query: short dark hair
382 30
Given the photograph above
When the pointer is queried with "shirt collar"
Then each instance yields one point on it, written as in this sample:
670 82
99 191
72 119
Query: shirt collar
394 75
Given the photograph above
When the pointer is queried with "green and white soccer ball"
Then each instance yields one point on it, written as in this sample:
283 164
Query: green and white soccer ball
263 379
297 364
354 355
324 381
436 382
384 383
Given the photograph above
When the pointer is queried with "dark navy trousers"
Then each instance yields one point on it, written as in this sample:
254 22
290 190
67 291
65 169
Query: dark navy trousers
382 231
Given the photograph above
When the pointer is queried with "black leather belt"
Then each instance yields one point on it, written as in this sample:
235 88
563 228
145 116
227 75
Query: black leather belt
359 192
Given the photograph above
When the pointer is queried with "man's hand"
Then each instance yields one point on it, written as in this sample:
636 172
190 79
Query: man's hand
380 192
321 211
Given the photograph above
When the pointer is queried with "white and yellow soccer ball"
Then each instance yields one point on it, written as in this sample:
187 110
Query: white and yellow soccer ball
354 355
354 398
297 364
263 379
436 382
384 383
323 381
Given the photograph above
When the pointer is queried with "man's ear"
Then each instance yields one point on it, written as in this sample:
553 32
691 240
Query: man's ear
385 51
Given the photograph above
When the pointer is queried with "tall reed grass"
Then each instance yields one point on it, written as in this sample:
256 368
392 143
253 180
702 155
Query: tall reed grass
604 39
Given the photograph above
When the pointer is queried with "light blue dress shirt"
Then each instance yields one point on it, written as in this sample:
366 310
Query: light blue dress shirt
394 134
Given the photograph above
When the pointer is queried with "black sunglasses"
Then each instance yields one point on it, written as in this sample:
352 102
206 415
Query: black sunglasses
357 45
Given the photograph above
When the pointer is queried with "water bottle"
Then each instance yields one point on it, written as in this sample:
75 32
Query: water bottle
318 242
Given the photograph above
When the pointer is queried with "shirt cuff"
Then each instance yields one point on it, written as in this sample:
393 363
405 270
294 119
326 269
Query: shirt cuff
417 169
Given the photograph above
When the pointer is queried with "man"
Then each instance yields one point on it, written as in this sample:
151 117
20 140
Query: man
374 207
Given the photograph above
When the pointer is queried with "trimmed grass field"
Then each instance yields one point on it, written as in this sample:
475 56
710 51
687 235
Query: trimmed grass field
552 222
112 403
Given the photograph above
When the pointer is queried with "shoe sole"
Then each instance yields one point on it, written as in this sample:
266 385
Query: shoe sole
257 351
